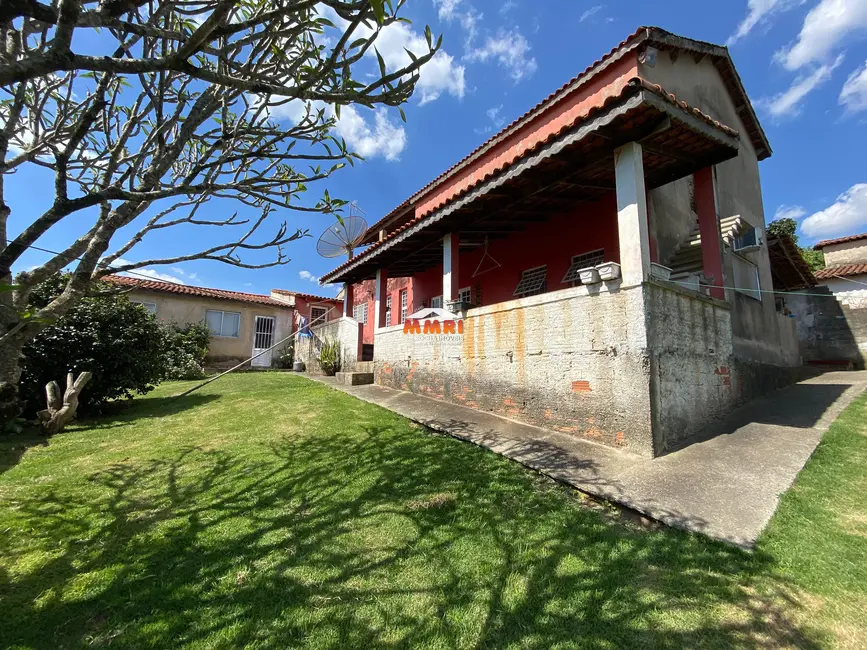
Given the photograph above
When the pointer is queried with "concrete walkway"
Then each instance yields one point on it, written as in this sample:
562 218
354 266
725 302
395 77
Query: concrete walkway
726 485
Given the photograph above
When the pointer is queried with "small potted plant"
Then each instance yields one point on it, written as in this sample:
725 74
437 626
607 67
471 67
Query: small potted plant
329 357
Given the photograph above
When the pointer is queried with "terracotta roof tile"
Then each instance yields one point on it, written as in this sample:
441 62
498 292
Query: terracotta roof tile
187 290
644 33
306 296
841 270
632 86
839 240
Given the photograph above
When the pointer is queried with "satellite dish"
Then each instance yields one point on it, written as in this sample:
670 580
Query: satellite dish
342 237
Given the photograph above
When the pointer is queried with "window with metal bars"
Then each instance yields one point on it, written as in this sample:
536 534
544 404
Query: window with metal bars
404 304
533 282
359 312
317 315
583 261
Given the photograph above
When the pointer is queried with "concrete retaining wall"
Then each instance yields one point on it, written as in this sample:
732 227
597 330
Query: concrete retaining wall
573 360
831 327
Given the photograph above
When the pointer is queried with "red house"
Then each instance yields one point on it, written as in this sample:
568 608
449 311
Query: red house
605 252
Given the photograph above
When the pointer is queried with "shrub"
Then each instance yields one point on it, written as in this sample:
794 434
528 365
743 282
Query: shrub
285 356
118 341
329 357
186 347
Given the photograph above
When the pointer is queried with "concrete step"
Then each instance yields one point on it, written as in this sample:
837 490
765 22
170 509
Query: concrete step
364 366
354 378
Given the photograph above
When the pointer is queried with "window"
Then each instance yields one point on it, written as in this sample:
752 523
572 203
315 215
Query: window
317 315
404 304
465 295
436 302
583 261
359 313
748 239
150 307
533 282
388 310
224 323
746 277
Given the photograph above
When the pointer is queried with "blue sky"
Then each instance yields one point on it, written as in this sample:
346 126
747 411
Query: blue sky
803 62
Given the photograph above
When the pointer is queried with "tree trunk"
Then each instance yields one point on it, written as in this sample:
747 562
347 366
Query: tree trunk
61 411
10 373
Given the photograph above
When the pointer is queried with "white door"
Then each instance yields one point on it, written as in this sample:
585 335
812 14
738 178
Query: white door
262 340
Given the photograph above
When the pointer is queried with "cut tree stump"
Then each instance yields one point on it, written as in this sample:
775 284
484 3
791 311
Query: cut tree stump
61 411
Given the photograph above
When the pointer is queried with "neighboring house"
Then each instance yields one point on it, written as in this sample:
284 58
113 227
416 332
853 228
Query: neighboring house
832 319
241 324
644 165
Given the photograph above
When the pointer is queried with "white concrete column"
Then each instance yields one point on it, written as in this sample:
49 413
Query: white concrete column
451 247
381 290
347 300
632 214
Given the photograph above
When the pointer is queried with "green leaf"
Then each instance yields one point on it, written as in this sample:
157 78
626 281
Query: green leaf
378 7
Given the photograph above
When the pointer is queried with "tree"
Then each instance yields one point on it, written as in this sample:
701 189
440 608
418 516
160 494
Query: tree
173 113
124 347
815 259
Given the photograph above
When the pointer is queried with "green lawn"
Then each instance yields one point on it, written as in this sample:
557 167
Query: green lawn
268 511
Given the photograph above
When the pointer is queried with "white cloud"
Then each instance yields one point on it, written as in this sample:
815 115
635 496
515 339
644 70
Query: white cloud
760 11
507 6
446 9
147 273
854 93
789 212
823 31
847 216
590 12
307 275
510 49
194 277
495 117
788 103
385 137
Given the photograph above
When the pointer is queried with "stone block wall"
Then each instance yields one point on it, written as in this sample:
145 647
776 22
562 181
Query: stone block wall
573 360
346 330
694 377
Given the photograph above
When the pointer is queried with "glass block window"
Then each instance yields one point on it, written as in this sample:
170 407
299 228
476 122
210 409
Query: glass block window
533 282
224 323
583 261
359 312
404 304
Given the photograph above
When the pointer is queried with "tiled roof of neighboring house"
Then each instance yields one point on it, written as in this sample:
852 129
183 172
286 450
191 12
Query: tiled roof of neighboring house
306 296
187 290
841 270
839 240
651 35
634 85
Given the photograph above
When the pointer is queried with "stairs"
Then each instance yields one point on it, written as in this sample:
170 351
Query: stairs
687 263
354 378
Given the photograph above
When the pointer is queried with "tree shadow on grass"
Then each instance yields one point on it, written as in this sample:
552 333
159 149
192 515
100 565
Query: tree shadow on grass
120 414
379 538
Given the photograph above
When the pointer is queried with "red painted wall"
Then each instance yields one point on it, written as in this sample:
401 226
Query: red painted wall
553 243
303 305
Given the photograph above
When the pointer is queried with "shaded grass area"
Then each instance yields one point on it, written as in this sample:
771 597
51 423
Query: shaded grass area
267 511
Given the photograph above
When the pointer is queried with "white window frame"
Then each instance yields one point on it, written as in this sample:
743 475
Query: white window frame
465 295
532 292
362 311
222 319
404 305
755 294
323 312
150 307
436 302
388 310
